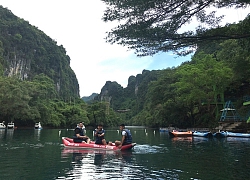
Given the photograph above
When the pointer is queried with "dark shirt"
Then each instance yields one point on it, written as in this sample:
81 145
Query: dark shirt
81 132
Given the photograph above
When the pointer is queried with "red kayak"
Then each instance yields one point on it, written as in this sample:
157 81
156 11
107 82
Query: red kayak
69 143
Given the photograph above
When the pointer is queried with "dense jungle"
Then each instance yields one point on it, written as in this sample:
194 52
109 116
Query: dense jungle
37 83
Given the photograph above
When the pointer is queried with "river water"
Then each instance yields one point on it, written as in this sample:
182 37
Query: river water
38 154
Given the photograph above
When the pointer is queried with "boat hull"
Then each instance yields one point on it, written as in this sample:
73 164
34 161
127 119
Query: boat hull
2 125
163 130
181 134
241 135
221 134
69 143
38 126
11 125
202 134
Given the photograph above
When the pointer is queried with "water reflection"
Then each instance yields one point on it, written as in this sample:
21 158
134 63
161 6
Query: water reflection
37 134
197 139
183 139
94 164
9 134
237 139
2 133
98 159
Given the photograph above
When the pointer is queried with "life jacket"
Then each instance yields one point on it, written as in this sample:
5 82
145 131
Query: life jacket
128 137
99 137
81 132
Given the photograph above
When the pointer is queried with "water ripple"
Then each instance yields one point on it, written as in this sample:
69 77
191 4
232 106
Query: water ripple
147 149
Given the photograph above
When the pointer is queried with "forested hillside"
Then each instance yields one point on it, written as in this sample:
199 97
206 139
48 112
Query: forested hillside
26 51
37 83
190 95
36 80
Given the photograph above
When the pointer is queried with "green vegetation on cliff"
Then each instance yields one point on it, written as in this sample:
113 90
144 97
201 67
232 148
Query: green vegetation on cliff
25 52
190 95
37 82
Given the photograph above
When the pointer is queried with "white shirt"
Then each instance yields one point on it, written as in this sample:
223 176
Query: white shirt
124 133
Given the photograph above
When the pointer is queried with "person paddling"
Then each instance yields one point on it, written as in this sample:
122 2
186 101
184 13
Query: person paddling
126 137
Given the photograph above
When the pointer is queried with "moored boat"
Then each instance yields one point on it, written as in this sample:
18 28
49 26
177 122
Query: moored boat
11 125
38 125
202 134
69 143
242 135
163 129
180 133
220 134
2 125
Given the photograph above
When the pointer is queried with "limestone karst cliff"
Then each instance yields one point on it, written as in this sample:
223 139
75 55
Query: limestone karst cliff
25 51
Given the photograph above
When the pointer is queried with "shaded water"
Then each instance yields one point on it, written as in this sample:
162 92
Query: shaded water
39 154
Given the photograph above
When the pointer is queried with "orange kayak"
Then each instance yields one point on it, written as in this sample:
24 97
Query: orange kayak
181 133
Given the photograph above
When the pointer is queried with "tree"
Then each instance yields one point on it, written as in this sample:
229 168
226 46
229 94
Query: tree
152 26
202 81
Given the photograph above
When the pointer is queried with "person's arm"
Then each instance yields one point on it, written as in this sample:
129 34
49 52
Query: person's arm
96 132
123 138
103 133
79 136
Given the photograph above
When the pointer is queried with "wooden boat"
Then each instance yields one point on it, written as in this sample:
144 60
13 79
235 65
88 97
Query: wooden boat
202 134
38 125
69 143
241 135
220 134
180 133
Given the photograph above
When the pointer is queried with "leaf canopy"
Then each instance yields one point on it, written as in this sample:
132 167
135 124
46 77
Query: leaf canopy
153 26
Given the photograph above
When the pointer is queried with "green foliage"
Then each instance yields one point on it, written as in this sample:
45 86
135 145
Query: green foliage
100 112
150 27
30 52
190 95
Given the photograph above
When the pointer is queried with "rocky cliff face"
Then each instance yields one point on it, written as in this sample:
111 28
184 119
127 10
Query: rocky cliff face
17 66
134 93
25 51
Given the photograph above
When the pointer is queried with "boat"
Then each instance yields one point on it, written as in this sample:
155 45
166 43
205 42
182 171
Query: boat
163 129
38 125
202 134
180 133
241 135
69 143
2 125
220 134
11 125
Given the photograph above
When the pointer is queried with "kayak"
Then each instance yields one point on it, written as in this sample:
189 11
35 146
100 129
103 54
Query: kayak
69 143
202 134
220 134
243 135
181 133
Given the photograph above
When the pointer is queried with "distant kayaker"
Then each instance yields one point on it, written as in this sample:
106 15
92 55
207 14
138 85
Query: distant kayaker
99 135
126 137
79 134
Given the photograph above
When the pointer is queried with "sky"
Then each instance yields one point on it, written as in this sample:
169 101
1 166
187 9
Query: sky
77 25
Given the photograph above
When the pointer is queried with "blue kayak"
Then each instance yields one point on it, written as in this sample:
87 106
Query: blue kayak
232 134
202 134
221 134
